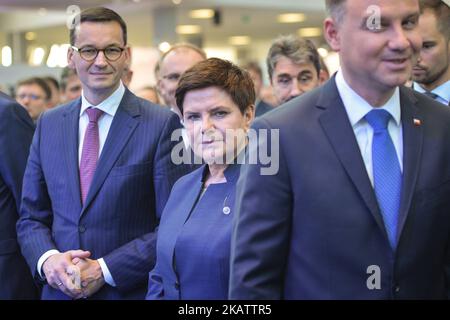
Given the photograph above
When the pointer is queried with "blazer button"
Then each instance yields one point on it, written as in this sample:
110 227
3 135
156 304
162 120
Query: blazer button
177 286
397 289
81 229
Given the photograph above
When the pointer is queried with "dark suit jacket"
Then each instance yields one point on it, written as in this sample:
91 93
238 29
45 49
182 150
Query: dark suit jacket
129 190
262 107
315 231
193 251
16 132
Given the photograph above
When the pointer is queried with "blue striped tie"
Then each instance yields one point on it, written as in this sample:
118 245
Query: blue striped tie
387 175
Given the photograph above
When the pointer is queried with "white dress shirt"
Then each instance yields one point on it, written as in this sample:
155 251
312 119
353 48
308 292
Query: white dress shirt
357 108
442 92
109 106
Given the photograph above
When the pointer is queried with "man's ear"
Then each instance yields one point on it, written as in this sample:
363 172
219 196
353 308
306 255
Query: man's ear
128 55
331 34
249 116
70 62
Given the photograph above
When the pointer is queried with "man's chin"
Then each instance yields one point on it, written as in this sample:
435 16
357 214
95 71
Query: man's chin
97 85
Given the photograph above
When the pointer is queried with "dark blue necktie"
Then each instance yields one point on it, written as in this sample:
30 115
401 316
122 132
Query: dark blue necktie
387 175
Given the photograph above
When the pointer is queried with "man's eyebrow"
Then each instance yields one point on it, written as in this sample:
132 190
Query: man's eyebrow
412 15
285 75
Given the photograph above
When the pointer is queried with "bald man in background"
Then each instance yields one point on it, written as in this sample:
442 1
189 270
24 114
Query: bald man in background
172 65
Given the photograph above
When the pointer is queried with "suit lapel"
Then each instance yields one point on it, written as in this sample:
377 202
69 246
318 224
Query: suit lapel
412 148
123 125
337 127
69 128
187 206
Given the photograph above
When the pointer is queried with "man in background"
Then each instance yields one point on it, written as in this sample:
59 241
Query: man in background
55 91
35 95
16 133
70 85
294 67
256 74
431 75
148 93
172 65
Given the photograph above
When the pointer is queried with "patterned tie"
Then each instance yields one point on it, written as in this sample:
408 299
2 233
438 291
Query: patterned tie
386 172
89 155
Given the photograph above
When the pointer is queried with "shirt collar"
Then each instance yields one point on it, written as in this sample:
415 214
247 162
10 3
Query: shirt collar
357 107
109 105
443 91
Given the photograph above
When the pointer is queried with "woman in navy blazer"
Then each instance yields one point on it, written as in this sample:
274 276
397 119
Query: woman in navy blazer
216 99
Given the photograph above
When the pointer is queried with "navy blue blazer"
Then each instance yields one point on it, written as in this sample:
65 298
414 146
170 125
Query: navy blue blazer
315 231
193 250
16 133
262 107
129 190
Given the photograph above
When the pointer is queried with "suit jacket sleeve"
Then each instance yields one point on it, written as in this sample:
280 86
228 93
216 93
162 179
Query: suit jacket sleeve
129 265
260 237
34 225
16 133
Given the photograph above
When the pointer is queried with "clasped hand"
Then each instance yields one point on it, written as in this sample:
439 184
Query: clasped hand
74 273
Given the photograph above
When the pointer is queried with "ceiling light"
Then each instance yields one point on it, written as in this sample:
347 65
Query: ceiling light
188 29
239 40
6 56
30 36
323 52
42 11
291 17
176 1
164 46
309 32
37 56
63 54
201 14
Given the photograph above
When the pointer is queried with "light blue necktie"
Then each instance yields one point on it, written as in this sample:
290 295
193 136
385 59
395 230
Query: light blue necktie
387 175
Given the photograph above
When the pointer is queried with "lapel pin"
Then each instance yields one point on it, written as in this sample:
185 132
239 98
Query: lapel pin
417 122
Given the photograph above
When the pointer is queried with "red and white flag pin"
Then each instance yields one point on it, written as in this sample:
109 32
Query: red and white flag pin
417 122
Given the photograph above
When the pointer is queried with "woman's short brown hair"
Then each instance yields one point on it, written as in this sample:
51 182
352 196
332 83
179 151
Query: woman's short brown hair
221 74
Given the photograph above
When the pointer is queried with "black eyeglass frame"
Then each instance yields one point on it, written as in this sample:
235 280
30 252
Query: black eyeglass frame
79 50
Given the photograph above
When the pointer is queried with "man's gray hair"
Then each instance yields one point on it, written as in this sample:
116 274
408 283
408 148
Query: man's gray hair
297 49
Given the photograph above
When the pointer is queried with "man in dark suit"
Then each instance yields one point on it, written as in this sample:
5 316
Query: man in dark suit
431 75
98 176
255 72
293 64
16 132
360 206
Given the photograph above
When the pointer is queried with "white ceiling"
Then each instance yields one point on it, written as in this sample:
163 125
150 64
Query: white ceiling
254 18
62 4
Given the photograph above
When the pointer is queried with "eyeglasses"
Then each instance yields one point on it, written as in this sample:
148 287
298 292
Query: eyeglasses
111 53
35 97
